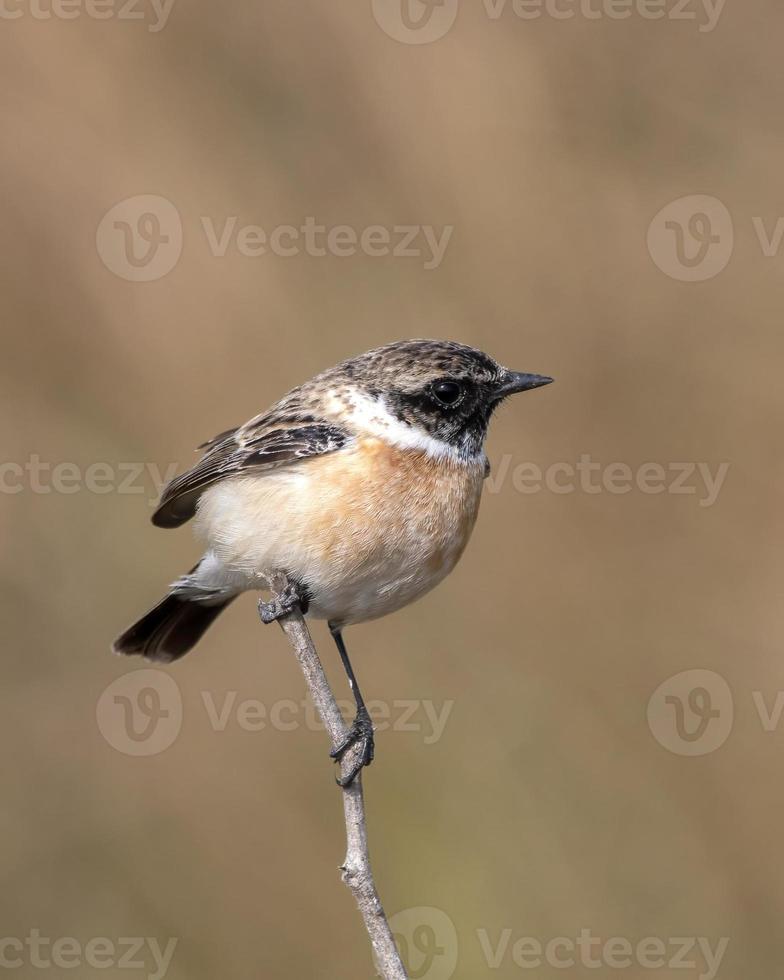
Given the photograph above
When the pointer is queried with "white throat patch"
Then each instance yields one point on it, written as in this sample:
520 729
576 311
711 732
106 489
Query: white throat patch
371 417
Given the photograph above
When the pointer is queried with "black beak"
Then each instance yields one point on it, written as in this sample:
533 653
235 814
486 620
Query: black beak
515 381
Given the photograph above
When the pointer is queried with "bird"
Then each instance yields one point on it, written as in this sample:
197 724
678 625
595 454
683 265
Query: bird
361 486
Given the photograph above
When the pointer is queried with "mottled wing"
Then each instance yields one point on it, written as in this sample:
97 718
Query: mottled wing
254 447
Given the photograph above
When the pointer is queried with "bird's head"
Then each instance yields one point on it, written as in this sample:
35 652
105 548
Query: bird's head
430 392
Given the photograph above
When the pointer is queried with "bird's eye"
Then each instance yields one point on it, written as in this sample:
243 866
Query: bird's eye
448 393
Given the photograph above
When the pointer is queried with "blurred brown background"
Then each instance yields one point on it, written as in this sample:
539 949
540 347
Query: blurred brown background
546 806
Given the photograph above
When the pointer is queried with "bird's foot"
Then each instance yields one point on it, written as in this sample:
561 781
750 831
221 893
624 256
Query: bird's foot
291 598
361 734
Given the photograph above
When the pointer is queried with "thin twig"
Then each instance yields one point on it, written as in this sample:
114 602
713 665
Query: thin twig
356 869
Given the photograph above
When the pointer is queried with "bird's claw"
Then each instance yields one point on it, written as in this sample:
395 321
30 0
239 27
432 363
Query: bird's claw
360 733
283 604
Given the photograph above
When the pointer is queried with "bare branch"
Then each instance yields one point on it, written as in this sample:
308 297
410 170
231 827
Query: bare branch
356 869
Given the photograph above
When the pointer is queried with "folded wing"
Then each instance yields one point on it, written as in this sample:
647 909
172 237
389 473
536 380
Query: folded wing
253 447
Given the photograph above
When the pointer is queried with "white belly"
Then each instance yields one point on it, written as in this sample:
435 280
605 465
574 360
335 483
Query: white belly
367 530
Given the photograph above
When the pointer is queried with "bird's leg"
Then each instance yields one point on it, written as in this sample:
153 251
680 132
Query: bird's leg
294 596
361 730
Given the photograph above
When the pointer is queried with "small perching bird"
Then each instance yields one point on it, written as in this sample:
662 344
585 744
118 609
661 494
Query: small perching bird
361 485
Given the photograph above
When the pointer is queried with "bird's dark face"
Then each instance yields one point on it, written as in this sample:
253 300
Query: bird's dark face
446 389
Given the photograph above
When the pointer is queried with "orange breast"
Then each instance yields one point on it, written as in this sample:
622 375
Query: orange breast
369 528
380 498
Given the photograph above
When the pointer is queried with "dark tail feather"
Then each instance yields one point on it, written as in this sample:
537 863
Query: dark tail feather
169 630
